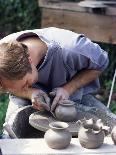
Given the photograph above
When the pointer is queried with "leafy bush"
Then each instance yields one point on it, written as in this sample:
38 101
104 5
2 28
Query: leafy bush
109 72
113 106
3 107
107 76
17 15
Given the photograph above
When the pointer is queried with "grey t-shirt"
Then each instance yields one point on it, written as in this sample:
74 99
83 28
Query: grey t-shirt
68 53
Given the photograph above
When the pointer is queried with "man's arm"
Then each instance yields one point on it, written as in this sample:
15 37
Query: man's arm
27 93
39 99
86 60
78 81
81 79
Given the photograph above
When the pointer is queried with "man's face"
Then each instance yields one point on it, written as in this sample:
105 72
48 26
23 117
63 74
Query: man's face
22 84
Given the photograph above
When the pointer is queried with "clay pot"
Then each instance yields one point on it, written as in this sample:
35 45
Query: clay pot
58 136
66 111
113 134
91 134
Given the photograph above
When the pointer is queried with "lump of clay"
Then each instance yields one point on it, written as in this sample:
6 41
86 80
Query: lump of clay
91 133
66 111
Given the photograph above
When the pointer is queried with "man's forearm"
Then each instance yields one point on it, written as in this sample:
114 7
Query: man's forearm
25 93
81 79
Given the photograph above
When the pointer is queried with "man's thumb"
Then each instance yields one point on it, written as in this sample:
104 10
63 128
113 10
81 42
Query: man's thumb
53 94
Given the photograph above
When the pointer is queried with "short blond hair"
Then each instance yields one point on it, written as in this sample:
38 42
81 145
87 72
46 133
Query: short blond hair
14 62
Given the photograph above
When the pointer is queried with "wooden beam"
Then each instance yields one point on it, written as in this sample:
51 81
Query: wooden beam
97 27
74 6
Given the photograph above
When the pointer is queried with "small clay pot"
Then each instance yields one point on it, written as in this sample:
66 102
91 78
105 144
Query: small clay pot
66 112
91 134
113 134
58 136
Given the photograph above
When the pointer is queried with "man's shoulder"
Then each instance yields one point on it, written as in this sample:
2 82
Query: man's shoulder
17 35
12 37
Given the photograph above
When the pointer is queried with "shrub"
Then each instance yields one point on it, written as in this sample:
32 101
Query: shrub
3 107
17 15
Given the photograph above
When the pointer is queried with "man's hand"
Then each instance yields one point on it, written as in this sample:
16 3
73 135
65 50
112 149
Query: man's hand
78 81
58 94
40 100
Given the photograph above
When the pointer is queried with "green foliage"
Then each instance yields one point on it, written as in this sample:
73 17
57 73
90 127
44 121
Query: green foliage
17 15
107 76
3 108
109 72
107 88
108 85
113 107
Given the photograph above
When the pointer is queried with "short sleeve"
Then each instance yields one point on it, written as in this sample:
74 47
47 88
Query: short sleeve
86 55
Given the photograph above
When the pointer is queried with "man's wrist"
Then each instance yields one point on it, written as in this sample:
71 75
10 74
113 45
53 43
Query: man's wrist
69 88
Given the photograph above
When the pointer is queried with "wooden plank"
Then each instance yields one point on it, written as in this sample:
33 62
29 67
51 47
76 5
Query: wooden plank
74 6
97 27
39 146
60 5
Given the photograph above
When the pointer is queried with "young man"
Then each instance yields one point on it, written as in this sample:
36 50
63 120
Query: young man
34 63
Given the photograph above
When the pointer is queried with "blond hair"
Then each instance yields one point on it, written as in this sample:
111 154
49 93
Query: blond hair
14 62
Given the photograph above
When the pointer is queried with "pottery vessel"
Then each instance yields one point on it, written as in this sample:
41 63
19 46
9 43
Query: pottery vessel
58 136
91 133
66 111
113 134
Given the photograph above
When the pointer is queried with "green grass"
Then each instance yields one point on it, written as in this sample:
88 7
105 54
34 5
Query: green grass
3 108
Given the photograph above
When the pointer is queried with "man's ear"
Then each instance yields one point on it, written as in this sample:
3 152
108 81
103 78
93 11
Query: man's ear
30 60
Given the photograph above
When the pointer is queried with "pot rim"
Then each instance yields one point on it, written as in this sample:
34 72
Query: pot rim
67 104
58 125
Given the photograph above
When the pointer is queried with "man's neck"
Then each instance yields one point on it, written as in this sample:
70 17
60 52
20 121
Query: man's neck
37 49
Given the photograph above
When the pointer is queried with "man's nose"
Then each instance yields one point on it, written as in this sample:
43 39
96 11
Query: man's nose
25 88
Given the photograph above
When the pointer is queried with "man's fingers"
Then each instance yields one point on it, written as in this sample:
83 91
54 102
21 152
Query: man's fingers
36 106
45 106
46 103
47 99
40 105
53 93
55 102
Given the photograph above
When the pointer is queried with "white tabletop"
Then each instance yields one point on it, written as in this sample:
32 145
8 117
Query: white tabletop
39 146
